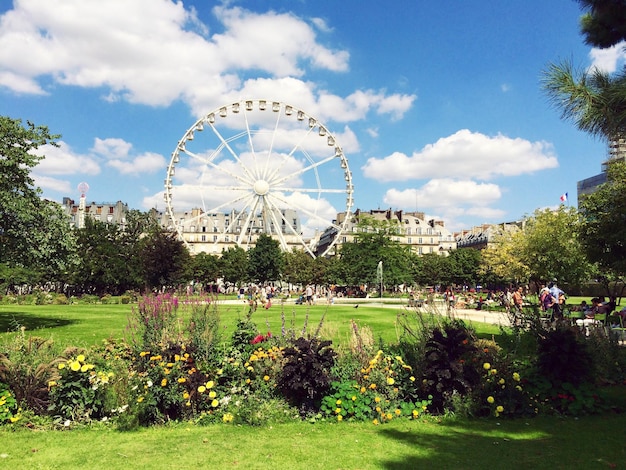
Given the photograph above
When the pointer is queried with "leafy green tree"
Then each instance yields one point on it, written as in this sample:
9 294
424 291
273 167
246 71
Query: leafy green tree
265 260
34 233
105 264
434 270
465 266
234 265
604 22
603 226
205 268
165 260
373 243
298 267
594 100
502 261
551 248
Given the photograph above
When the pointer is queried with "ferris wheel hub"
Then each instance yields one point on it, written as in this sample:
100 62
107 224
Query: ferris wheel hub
261 187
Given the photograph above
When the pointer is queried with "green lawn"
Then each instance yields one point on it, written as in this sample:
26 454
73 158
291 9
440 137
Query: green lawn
85 324
545 442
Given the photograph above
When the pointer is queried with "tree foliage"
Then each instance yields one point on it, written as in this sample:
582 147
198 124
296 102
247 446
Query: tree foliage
34 232
603 226
165 260
265 260
234 265
604 22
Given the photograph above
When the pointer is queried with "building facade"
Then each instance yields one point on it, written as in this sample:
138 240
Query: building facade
616 152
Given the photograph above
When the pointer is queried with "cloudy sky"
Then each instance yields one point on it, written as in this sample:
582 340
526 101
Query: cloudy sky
437 105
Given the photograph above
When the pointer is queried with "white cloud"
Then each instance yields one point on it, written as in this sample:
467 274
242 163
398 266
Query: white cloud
465 154
111 148
608 60
145 163
52 184
62 160
155 52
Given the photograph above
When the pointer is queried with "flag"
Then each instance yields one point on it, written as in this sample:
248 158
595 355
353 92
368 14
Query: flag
564 197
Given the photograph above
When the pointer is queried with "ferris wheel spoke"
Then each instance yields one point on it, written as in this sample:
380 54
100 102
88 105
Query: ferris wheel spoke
230 203
314 167
311 214
240 213
271 213
247 223
309 190
297 146
297 235
271 149
220 168
225 144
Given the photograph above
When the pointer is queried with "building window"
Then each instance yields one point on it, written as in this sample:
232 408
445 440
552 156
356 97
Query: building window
409 240
214 238
203 238
111 210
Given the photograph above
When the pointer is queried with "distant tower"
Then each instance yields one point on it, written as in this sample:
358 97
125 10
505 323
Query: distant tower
82 188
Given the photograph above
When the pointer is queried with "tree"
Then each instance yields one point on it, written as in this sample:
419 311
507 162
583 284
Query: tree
298 267
603 226
106 265
265 260
373 243
205 268
502 261
604 23
465 266
595 101
34 232
165 259
551 248
234 265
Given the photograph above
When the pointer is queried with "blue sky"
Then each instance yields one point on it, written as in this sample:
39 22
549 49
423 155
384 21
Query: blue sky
437 105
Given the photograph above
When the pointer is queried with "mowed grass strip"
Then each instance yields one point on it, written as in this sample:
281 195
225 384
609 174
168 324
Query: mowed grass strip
86 324
538 443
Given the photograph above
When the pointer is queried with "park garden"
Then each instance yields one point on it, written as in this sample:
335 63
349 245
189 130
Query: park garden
207 365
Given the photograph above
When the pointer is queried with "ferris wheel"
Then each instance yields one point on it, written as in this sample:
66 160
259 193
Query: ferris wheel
259 167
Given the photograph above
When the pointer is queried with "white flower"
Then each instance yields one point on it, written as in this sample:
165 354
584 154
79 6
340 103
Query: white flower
67 423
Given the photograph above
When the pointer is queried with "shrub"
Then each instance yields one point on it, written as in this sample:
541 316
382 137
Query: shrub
79 392
305 378
448 367
27 367
153 322
9 411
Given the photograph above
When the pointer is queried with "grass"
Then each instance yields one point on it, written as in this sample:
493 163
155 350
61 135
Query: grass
544 442
86 324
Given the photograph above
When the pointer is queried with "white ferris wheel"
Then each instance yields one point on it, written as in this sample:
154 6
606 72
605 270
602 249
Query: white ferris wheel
259 166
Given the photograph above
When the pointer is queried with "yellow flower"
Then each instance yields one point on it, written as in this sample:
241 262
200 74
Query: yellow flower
80 358
518 388
210 384
516 376
52 383
144 353
415 413
186 395
212 394
163 382
390 381
412 379
75 366
375 422
494 371
339 417
166 371
377 399
266 377
248 381
139 399
169 365
219 371
84 368
176 358
389 416
363 389
490 399
201 389
15 418
250 368
337 411
338 402
227 418
398 412
378 409
486 366
61 366
182 380
353 397
372 386
499 409
501 381
214 403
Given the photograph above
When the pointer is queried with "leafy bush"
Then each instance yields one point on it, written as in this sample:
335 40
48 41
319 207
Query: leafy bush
9 411
448 367
305 377
26 367
153 322
79 392
563 357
